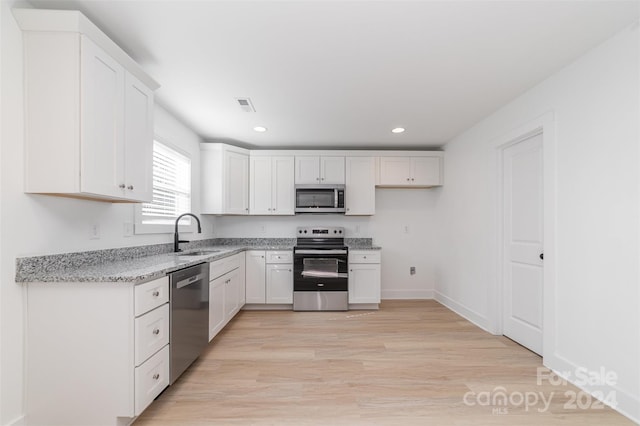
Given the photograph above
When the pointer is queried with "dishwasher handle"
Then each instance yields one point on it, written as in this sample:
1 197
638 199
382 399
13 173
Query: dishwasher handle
189 281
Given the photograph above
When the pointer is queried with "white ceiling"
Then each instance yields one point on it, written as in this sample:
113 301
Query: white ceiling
342 74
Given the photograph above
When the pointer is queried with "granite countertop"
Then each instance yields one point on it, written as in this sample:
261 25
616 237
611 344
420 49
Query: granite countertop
140 264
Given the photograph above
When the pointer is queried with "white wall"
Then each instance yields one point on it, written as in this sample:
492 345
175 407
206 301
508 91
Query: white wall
595 102
395 208
38 224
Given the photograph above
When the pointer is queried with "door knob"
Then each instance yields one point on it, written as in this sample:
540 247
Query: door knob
541 256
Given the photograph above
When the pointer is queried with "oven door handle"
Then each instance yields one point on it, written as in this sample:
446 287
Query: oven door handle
320 252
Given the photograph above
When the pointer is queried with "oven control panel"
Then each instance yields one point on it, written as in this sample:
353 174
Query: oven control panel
320 232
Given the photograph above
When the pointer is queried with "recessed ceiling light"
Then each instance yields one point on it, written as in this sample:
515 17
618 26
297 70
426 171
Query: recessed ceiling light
397 130
260 129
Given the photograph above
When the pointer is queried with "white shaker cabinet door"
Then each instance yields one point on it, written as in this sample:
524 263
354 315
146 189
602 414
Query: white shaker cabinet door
360 191
237 183
255 276
279 285
138 141
260 186
395 171
425 171
283 187
216 306
364 283
307 170
102 115
332 170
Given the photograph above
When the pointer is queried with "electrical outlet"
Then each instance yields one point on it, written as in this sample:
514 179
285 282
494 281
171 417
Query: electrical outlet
94 232
412 270
357 229
263 229
128 229
405 228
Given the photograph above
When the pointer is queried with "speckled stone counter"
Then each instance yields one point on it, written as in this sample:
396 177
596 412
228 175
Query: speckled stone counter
135 264
144 263
361 244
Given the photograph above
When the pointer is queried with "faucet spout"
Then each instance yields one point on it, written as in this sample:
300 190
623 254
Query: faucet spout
176 237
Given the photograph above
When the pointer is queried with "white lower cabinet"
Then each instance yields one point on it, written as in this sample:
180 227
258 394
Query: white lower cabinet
226 291
97 353
255 276
364 277
279 284
269 277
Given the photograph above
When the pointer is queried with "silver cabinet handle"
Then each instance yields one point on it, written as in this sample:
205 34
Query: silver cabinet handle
155 293
156 376
121 186
156 331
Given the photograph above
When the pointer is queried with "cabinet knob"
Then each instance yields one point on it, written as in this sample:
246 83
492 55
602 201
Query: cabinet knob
247 209
408 179
155 293
289 270
412 179
156 376
121 186
321 178
364 257
350 270
130 187
156 331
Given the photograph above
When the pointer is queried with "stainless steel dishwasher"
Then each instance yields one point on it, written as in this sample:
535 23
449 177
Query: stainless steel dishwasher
189 331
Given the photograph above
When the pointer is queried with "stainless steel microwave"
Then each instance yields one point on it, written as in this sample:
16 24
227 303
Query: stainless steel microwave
320 199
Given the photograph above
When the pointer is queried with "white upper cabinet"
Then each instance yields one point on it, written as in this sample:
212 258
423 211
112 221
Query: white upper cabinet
419 171
89 111
224 179
360 191
271 184
320 170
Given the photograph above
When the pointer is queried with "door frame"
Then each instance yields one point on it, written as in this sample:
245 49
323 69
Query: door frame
544 125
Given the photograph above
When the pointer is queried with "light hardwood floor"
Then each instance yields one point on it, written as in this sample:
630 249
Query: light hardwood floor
410 363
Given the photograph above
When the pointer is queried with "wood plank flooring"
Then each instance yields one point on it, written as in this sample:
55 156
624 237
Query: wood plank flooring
410 363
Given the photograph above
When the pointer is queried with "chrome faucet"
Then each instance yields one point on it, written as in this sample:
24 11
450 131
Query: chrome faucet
176 238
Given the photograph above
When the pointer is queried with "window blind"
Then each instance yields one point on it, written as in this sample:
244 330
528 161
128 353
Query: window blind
171 186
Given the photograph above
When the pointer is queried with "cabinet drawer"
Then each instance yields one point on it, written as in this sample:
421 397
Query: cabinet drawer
150 379
364 257
150 295
222 266
151 333
284 256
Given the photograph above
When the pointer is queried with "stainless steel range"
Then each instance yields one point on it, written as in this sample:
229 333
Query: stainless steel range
320 280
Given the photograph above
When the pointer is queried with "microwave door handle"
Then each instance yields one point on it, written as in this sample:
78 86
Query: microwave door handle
335 198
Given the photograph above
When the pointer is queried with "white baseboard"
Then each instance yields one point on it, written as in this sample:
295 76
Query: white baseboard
463 311
407 294
627 404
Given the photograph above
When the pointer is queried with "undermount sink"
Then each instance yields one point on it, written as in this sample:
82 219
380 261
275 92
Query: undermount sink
198 253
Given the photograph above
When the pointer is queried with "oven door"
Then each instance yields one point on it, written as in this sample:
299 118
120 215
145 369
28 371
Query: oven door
320 270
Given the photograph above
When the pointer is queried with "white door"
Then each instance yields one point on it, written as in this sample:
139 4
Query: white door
332 170
522 272
237 183
260 185
307 170
279 284
138 142
102 112
255 277
283 188
360 189
395 171
425 171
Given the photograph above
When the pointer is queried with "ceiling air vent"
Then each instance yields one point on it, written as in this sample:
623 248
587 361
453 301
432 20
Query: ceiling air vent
245 104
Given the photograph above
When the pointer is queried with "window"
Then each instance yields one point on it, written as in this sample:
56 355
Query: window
171 191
